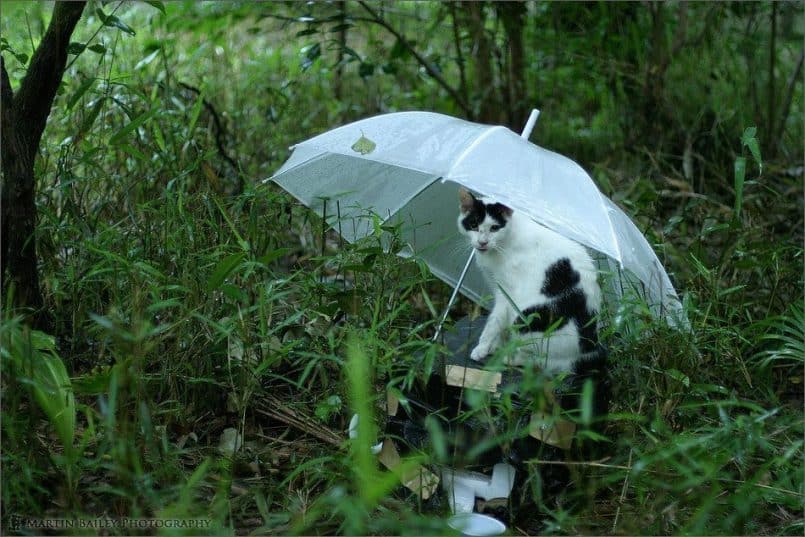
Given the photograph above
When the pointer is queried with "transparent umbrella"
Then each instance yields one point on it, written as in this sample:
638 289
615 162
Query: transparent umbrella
406 168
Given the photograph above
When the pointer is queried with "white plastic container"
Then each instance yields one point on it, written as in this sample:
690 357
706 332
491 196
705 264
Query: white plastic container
476 525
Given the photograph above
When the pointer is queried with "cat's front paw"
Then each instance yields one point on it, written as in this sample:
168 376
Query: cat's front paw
480 352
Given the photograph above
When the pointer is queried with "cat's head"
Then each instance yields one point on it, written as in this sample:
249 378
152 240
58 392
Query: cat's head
484 222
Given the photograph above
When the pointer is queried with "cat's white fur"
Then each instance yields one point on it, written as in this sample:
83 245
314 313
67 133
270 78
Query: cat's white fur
515 258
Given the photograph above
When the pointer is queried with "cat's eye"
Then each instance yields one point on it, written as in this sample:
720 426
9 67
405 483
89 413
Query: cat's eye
494 227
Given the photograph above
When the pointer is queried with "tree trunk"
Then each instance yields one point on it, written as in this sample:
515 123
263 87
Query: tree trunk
24 117
486 102
771 90
512 15
342 45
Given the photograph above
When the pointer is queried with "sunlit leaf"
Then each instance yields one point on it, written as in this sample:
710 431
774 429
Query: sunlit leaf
309 55
34 355
364 145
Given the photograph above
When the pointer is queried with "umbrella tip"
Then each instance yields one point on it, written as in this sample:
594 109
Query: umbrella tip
529 126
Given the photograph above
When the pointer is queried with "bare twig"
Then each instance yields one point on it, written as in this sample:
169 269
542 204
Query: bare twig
274 408
377 19
220 132
592 464
626 479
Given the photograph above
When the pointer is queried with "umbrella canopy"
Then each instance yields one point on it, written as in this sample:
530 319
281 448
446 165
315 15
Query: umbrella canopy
406 168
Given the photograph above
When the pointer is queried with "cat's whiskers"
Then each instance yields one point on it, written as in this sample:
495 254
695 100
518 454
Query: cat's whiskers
499 249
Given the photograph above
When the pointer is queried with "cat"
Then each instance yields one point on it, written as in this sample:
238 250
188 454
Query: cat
551 279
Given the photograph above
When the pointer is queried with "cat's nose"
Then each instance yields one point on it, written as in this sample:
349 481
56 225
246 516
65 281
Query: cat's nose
483 244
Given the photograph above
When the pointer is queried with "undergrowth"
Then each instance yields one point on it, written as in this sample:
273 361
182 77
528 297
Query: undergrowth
191 300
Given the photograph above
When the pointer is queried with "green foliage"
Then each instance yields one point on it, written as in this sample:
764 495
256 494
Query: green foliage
190 299
37 365
749 141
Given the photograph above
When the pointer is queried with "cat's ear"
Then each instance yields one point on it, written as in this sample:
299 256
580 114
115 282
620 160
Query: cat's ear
466 200
507 211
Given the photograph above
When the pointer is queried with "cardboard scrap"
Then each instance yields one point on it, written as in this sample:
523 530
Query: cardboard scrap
551 430
417 479
473 378
392 403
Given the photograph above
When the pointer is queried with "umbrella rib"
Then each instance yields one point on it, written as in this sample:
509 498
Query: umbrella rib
480 138
604 201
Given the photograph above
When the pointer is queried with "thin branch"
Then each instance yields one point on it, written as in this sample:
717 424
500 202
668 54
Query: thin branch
220 132
789 96
681 29
591 464
421 59
93 36
459 55
625 486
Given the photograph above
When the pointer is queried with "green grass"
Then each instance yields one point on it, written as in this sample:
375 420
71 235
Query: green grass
186 305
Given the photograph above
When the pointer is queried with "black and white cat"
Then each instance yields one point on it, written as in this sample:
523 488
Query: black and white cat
550 278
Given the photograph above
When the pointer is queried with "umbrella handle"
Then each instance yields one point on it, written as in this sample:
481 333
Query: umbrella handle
454 295
529 126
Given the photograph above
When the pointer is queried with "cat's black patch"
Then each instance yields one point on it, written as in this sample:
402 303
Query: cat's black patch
571 305
475 216
541 318
568 303
560 277
496 211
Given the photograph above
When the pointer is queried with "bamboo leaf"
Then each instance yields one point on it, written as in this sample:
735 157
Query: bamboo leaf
90 118
749 140
34 354
195 114
156 4
134 152
115 22
82 89
223 269
121 134
740 175
76 48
